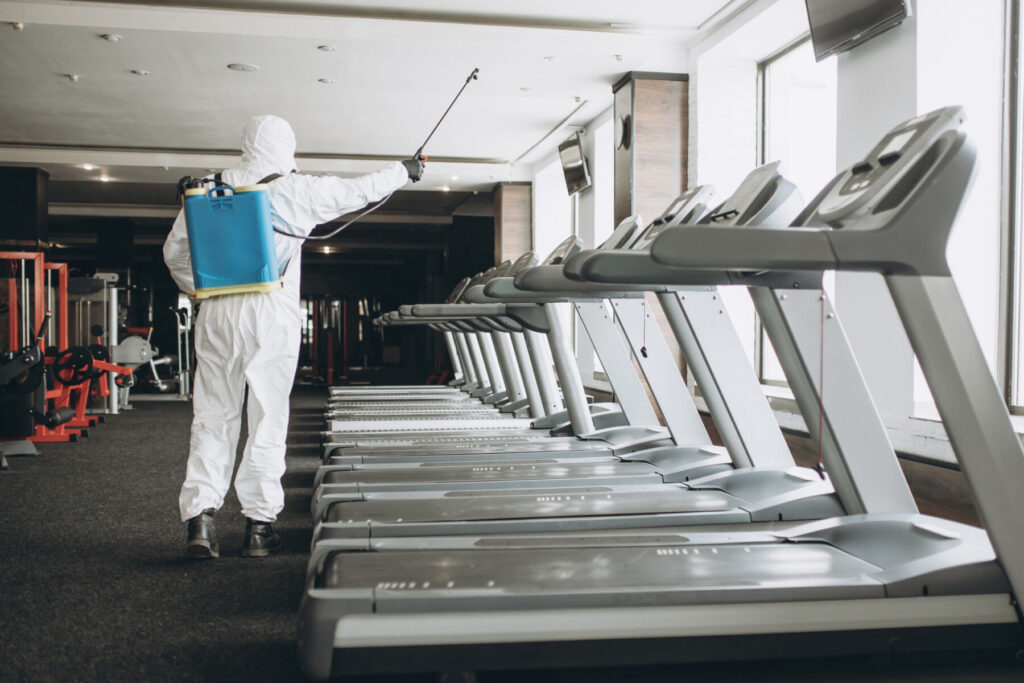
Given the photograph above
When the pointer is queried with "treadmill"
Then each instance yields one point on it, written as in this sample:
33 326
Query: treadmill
466 388
471 348
654 358
887 577
583 420
768 485
469 319
517 382
464 405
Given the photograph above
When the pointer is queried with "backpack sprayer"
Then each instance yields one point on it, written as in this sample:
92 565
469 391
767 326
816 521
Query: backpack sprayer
231 236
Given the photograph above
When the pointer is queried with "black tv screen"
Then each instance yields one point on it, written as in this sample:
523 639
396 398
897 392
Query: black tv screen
574 164
838 25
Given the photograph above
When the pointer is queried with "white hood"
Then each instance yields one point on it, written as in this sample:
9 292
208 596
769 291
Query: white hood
268 147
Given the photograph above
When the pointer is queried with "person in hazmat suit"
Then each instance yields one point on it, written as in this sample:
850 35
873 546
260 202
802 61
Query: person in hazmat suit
252 340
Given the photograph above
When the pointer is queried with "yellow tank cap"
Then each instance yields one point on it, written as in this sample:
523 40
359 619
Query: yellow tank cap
250 188
194 191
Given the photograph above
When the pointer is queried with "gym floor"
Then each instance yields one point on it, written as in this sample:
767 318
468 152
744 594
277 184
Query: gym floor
94 585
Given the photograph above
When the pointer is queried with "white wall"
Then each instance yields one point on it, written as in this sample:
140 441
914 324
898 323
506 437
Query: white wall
552 213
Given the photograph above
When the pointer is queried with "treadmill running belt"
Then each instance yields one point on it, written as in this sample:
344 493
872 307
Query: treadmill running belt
494 505
392 425
691 570
546 444
485 472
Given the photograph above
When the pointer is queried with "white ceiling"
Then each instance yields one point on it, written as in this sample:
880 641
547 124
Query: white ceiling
395 67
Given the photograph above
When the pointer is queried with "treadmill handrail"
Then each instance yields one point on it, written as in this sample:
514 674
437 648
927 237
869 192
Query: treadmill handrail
457 311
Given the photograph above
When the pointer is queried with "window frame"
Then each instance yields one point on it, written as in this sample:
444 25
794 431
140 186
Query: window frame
763 92
1010 361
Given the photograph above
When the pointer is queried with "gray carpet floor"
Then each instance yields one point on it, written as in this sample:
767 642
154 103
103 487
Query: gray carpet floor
93 582
94 585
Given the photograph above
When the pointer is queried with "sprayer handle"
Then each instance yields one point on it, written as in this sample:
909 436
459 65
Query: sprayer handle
414 167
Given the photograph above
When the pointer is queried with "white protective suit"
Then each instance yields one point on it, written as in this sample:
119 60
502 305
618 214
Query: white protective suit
253 339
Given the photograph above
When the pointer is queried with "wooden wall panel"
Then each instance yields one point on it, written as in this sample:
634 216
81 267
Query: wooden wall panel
660 141
513 220
651 172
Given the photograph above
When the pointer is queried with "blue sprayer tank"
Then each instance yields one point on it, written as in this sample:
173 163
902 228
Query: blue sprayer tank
231 241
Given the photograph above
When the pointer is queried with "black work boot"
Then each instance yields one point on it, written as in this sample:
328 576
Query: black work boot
260 539
202 536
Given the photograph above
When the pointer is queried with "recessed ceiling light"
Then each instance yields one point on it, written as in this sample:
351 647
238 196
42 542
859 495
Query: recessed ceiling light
327 250
455 177
445 188
325 81
243 67
551 59
140 72
87 167
104 179
326 48
111 37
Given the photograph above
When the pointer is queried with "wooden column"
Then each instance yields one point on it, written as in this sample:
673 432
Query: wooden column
651 124
513 220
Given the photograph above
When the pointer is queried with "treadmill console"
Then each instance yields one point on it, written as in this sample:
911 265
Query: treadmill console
689 207
500 270
758 185
864 185
527 260
624 234
568 247
459 288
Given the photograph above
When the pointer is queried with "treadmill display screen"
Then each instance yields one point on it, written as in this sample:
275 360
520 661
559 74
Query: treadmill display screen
898 142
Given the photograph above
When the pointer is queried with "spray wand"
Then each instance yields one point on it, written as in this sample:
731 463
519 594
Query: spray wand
418 155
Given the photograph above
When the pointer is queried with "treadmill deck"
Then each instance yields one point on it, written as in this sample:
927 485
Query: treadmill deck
480 505
612 576
515 471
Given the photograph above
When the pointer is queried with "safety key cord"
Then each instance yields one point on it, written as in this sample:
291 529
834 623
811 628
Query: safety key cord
643 333
821 387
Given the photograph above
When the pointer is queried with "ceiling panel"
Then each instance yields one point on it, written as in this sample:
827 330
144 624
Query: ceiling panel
389 78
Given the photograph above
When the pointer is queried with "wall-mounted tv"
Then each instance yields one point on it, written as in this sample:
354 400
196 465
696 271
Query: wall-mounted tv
838 25
574 164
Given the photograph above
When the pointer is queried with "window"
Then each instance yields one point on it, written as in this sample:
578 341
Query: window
972 78
1013 205
798 126
1013 202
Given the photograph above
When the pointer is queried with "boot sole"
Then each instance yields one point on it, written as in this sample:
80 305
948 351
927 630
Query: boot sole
257 552
201 550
